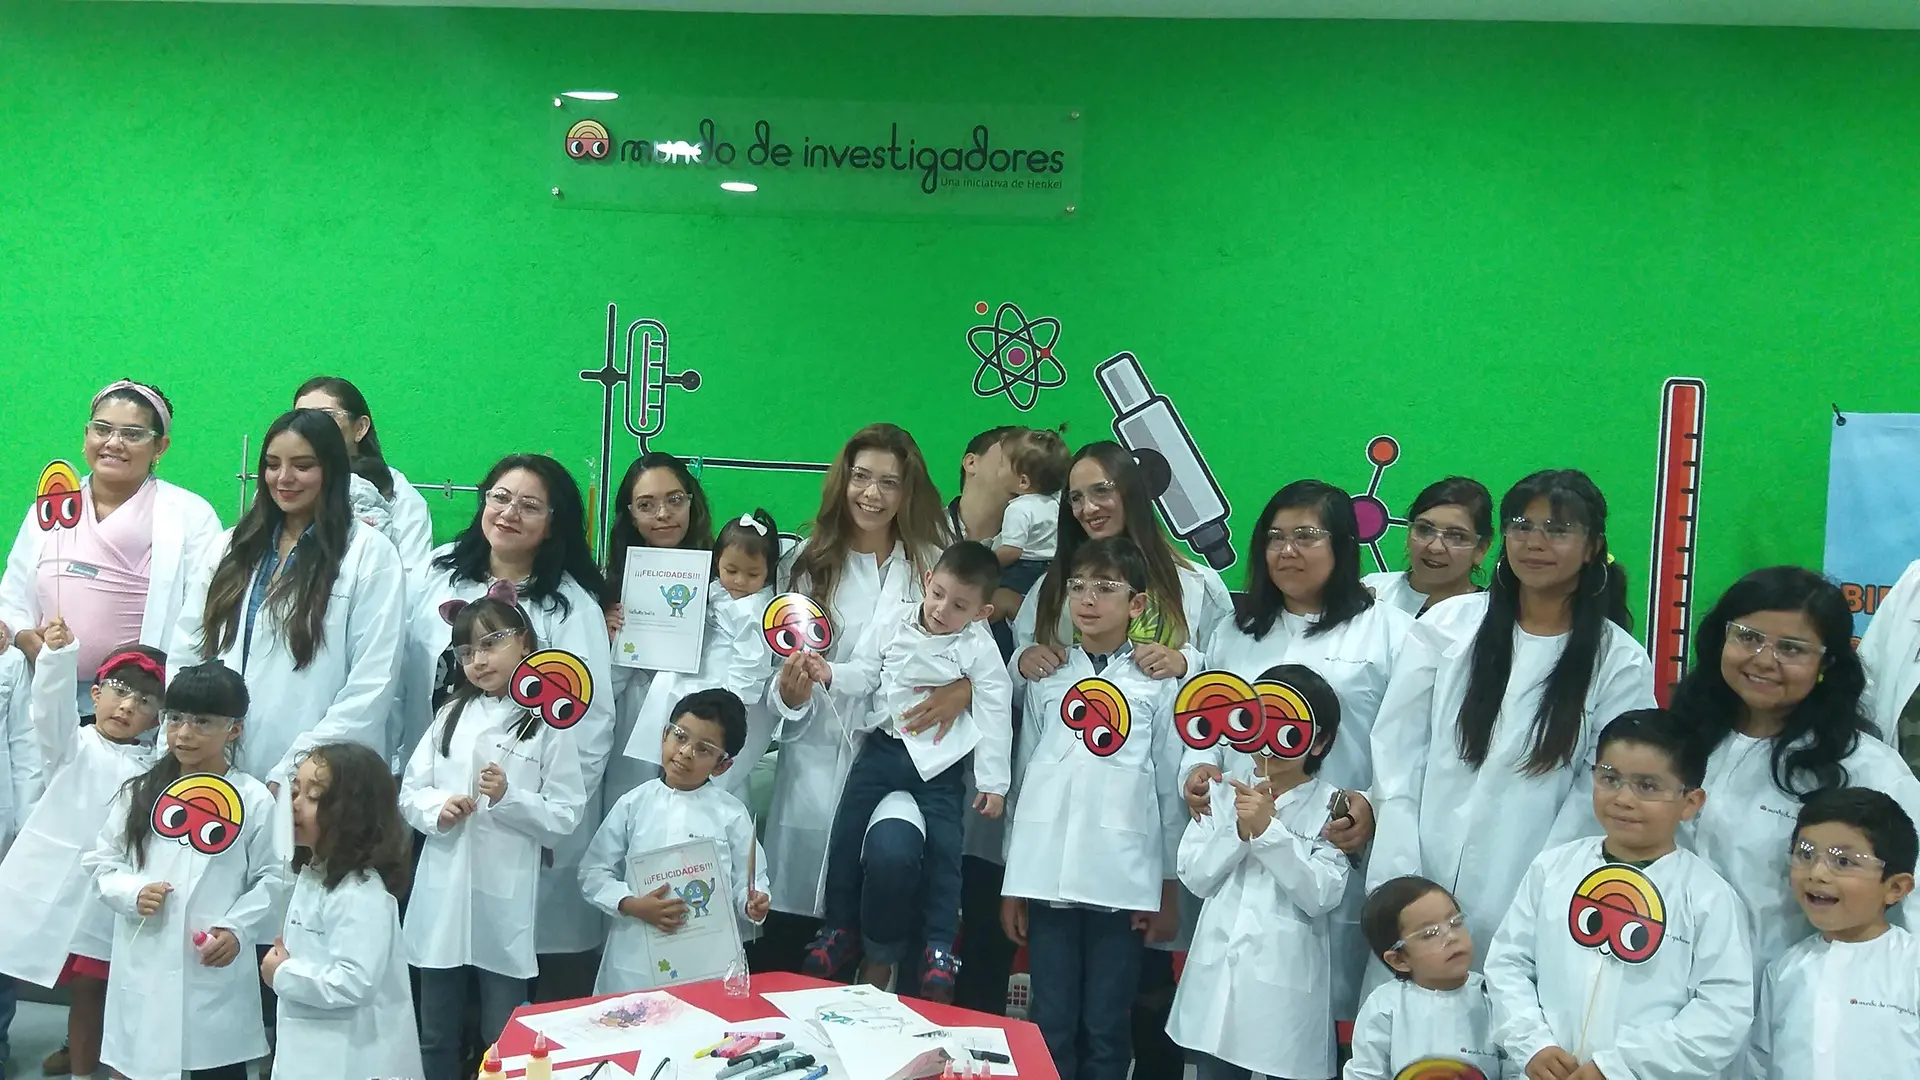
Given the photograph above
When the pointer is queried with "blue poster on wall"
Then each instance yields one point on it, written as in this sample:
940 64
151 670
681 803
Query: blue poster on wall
1873 506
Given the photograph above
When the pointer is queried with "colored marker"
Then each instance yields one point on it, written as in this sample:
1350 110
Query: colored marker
785 1065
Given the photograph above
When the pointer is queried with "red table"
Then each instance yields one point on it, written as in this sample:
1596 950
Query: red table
1030 1055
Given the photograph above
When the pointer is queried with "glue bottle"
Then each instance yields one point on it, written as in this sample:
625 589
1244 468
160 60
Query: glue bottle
490 1067
539 1066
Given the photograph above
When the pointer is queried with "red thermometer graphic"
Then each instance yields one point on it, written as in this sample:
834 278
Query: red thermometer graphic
1683 410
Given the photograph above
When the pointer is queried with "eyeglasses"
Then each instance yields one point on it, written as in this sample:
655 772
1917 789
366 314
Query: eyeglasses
1650 788
339 415
865 478
1103 492
648 506
491 643
122 692
201 722
681 737
1553 532
1304 538
1428 935
1100 587
500 499
132 436
1789 652
1425 533
1838 860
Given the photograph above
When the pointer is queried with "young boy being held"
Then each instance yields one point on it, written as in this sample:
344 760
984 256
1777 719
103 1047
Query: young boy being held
1097 820
1845 1001
1436 1010
1036 470
708 728
1268 880
937 640
1624 957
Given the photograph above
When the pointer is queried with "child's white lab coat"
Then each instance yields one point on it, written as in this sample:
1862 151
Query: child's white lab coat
1836 1010
345 1011
1747 825
21 775
47 900
734 656
1254 992
167 1013
475 891
1403 1024
648 818
1890 650
1475 831
1683 1014
1099 831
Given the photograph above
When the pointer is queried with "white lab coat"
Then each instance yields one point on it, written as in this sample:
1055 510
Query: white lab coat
1683 1014
474 893
568 924
345 1010
1475 831
734 656
47 899
1747 825
1254 992
1890 650
185 529
1099 831
648 818
1356 658
1835 1010
1403 1024
412 527
1204 600
817 751
1395 589
21 775
167 1013
343 694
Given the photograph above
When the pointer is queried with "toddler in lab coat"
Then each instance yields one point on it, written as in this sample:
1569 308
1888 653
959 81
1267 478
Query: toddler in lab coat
1623 956
1268 880
186 862
1846 1000
1435 1014
339 968
708 728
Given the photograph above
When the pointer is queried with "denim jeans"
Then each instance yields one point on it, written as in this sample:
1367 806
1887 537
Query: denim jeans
986 956
1085 968
890 899
883 767
444 996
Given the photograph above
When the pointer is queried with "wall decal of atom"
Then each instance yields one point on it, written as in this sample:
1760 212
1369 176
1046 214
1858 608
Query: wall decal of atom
1015 355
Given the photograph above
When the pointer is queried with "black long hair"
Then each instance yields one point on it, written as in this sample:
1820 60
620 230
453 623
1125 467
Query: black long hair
298 600
475 621
564 553
209 689
622 534
1827 725
1599 596
1141 526
1343 597
359 819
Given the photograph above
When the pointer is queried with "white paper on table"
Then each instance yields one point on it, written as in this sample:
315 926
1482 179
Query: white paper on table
832 1008
600 1029
961 1041
871 1054
707 943
664 602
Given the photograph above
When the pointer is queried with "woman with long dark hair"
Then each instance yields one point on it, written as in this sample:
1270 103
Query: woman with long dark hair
1305 605
530 529
1449 529
1778 693
1485 741
412 528
304 601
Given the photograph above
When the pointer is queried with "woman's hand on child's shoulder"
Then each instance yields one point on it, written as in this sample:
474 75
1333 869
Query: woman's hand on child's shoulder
1159 661
1040 661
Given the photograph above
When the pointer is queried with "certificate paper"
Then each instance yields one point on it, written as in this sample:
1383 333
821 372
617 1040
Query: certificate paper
664 602
709 940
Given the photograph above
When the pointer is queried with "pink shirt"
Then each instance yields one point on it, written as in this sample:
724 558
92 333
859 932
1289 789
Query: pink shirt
95 575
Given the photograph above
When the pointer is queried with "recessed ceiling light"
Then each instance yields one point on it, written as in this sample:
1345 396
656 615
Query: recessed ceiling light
739 185
590 95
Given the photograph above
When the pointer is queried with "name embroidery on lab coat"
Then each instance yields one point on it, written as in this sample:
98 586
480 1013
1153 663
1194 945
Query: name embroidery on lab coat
1617 911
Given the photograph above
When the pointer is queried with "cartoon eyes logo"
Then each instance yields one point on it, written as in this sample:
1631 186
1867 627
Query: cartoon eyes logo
1439 1069
1618 911
555 684
1097 710
1264 717
56 504
1286 729
201 811
588 141
793 623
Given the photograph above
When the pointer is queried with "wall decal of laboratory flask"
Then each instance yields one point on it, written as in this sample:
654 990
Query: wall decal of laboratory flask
1190 500
1370 512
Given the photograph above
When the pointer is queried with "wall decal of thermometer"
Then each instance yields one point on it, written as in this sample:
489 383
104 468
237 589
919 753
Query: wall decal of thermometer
1676 524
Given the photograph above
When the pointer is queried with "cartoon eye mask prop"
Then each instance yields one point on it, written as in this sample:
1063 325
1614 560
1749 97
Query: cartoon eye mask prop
56 502
201 811
1439 1069
1266 717
1617 911
503 591
555 684
793 623
1097 710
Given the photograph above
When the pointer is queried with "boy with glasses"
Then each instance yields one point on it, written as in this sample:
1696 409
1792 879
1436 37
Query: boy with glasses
1435 1012
1624 956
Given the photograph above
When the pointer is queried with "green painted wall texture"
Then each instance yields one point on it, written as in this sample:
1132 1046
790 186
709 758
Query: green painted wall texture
1493 242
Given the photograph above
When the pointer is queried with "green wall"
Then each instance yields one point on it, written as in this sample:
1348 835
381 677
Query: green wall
1492 241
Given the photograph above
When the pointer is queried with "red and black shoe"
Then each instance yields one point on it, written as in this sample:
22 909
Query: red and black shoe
937 974
831 954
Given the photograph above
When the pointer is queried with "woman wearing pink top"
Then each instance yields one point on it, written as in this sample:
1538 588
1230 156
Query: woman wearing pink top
115 576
